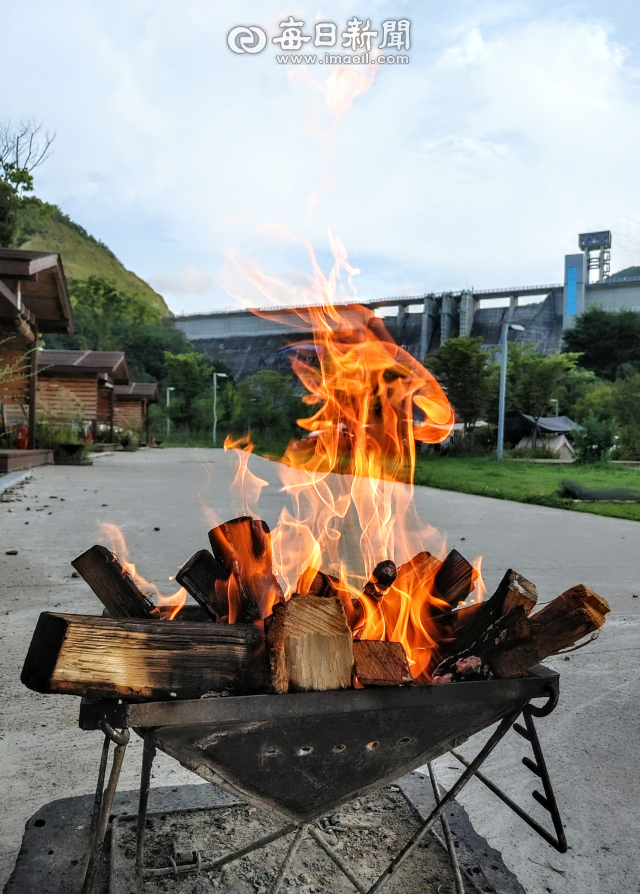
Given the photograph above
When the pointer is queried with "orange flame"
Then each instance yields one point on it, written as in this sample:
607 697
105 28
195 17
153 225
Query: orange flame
118 545
374 402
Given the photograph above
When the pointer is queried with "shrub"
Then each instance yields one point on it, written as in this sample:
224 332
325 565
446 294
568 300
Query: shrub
594 443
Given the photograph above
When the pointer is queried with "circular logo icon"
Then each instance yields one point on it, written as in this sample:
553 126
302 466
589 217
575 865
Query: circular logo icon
243 39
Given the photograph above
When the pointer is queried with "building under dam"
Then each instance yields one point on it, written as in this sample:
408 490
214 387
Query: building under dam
247 342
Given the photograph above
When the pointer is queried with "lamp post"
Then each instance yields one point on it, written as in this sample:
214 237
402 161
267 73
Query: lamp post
216 376
554 400
169 390
503 380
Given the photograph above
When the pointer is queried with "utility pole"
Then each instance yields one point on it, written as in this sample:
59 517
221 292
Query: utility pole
504 343
169 390
216 376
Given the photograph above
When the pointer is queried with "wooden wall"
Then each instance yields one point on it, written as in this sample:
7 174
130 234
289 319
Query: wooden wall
129 414
66 398
104 405
14 390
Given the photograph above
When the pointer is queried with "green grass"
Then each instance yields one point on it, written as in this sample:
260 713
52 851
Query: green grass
81 254
528 482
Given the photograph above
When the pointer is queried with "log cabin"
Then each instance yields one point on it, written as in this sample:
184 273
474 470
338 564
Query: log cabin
79 385
34 299
132 406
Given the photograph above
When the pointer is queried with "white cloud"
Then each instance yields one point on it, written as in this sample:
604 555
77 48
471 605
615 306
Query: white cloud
190 281
512 129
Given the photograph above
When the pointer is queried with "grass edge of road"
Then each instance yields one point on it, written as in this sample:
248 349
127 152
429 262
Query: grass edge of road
529 482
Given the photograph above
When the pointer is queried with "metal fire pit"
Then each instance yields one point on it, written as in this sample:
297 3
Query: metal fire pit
306 754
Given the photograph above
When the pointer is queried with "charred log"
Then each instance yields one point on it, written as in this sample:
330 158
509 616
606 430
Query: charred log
459 629
112 584
455 578
242 547
515 642
381 580
137 659
199 576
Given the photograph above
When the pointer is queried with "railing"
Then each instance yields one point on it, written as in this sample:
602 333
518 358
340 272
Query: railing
377 302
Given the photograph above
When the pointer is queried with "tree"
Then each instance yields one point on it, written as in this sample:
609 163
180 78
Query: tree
102 312
460 365
24 146
267 403
605 340
533 378
191 374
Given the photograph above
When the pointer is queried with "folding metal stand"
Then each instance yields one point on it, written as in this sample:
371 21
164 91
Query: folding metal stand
104 801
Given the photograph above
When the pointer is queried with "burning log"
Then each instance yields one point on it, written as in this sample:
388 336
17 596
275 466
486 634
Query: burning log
515 642
459 629
112 584
416 571
242 547
205 580
455 578
317 583
309 644
382 577
139 659
379 663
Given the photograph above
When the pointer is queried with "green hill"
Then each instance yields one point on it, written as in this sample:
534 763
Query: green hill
627 273
45 228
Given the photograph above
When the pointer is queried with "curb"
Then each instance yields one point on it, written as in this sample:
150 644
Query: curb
11 479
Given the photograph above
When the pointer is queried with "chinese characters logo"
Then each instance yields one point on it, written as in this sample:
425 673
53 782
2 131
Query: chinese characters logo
359 39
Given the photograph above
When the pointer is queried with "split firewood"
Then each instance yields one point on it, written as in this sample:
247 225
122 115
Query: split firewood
379 663
112 584
242 547
381 580
457 630
317 583
455 579
516 642
199 576
309 645
417 572
139 659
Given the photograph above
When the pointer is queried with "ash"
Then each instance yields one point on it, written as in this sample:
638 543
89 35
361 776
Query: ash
366 833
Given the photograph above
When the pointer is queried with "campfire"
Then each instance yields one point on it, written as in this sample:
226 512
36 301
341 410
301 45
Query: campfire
283 611
343 595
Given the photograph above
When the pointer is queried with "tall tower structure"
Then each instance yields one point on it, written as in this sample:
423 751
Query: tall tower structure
600 242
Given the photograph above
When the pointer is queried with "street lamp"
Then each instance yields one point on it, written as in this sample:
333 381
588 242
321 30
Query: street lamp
216 376
554 400
169 390
503 380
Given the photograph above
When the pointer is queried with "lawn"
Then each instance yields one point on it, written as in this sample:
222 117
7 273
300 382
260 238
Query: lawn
528 482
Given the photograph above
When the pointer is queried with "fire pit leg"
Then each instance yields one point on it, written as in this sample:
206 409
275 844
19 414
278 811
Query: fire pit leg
438 811
451 850
103 800
148 754
293 849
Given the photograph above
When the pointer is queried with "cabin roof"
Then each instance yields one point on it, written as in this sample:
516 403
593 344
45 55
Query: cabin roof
33 285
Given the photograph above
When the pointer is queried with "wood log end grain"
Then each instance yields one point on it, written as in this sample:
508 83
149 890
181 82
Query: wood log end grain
378 663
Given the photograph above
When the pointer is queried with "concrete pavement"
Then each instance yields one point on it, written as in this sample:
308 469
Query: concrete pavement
591 741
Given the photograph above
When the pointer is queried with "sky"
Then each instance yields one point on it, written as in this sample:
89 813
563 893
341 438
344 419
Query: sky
513 127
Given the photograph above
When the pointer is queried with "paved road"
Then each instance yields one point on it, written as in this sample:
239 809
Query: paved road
591 741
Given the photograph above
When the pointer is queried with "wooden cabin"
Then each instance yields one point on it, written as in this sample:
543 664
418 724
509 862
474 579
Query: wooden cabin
79 385
132 406
34 299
